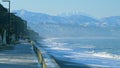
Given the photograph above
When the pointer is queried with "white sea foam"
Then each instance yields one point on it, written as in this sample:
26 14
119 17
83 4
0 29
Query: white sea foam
60 48
93 55
100 66
49 39
100 59
106 55
81 38
77 55
56 45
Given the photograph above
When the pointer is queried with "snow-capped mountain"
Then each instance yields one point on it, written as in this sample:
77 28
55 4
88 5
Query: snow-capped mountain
32 17
45 18
70 25
84 20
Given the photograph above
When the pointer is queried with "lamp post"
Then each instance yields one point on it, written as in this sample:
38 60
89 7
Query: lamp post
8 8
9 28
8 2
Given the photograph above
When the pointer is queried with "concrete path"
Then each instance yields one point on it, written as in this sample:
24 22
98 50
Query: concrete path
21 56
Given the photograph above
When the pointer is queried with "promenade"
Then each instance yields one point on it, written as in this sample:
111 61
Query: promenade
21 56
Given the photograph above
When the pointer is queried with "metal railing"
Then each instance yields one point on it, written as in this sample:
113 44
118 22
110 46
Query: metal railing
44 59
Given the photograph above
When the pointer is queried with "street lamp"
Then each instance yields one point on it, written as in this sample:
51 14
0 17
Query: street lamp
9 7
9 29
8 2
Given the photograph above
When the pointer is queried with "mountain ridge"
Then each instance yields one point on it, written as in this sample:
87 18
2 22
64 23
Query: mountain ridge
74 25
33 17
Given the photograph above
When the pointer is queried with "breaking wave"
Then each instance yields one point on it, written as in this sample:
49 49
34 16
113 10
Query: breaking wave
106 55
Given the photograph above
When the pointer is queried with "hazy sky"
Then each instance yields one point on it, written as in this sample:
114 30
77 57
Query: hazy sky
96 8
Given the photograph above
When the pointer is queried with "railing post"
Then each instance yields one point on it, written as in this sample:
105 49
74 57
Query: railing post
40 58
43 58
44 65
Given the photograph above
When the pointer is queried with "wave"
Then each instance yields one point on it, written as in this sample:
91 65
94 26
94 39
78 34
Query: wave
82 53
60 48
93 54
97 37
55 45
106 55
85 46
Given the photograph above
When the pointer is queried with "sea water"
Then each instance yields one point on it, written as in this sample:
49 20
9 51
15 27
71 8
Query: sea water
94 51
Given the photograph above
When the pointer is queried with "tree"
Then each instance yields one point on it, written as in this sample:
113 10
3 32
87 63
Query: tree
14 28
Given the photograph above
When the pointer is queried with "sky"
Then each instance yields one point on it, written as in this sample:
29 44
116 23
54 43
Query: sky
95 8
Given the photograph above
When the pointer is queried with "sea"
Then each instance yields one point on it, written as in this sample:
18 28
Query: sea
94 52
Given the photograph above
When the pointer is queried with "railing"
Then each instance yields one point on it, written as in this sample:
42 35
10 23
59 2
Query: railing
45 60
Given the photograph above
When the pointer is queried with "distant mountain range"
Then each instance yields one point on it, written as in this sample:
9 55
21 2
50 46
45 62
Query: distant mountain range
84 20
61 25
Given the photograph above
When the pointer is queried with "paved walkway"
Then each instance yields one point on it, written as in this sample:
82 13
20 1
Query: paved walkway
21 56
